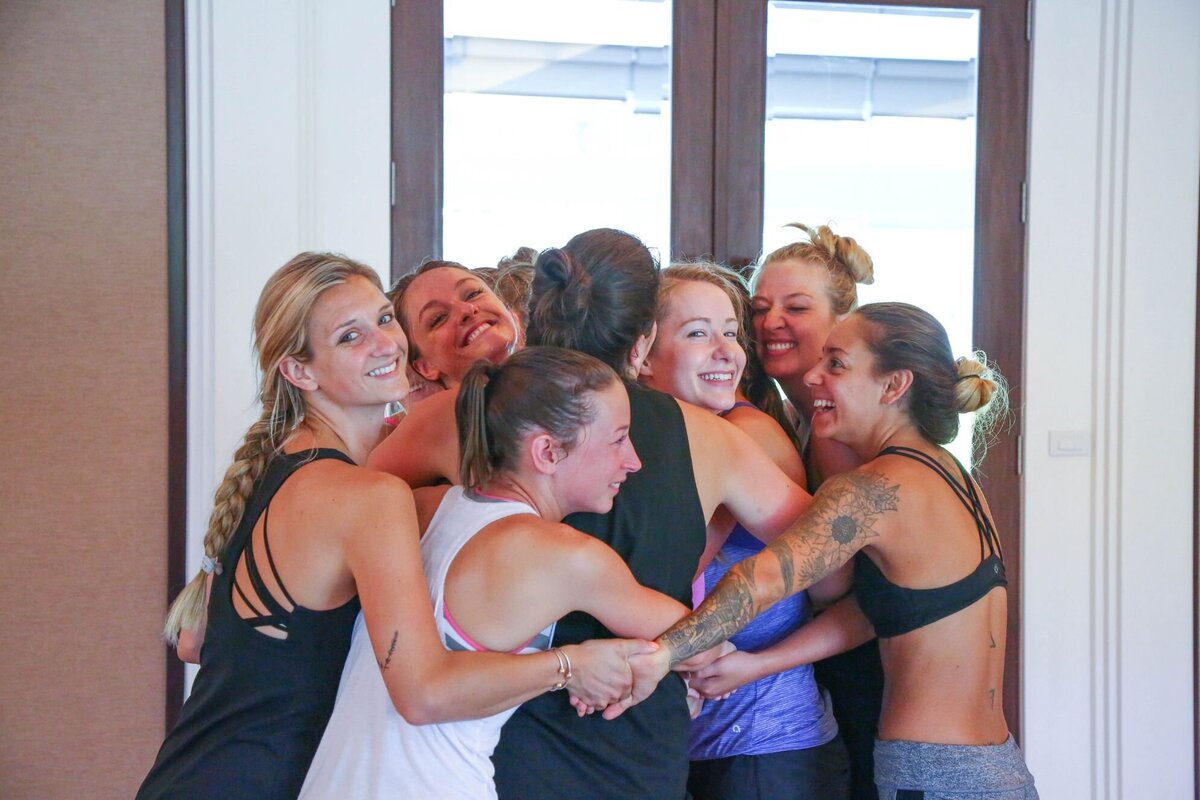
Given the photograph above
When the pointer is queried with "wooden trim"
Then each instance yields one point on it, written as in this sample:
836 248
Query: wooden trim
1002 126
176 100
693 43
739 131
418 67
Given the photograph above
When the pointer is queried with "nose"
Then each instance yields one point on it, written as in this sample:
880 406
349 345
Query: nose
814 377
387 342
631 463
466 308
772 319
727 349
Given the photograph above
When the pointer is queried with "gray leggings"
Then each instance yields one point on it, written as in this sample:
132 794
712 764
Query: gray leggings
924 771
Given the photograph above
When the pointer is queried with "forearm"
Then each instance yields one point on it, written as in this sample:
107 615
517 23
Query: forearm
840 628
748 589
474 685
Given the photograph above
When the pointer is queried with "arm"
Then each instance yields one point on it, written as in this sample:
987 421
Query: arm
191 642
842 627
733 471
423 449
426 682
848 513
599 583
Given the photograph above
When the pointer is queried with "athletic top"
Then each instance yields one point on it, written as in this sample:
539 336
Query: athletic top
657 526
776 713
895 610
369 750
258 704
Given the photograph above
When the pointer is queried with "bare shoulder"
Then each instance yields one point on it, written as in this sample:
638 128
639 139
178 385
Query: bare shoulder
855 501
767 433
343 496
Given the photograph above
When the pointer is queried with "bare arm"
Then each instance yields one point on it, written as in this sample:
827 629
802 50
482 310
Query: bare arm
426 682
600 584
423 448
733 471
844 517
842 627
192 641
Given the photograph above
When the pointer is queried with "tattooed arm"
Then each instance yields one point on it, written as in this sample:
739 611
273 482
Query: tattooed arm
845 516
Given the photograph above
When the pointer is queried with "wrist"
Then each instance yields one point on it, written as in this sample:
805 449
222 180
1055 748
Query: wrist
564 668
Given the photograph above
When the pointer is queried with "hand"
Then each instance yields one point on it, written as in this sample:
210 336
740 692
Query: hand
720 678
648 670
695 702
601 670
702 660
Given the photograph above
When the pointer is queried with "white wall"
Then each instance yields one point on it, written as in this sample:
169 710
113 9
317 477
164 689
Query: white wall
288 150
1113 185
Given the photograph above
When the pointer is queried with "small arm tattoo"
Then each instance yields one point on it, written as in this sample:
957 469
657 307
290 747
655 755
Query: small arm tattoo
841 520
387 662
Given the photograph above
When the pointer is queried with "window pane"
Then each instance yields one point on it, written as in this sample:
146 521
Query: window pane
871 130
556 121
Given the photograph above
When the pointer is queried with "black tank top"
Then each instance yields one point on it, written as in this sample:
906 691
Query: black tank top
657 525
895 610
259 705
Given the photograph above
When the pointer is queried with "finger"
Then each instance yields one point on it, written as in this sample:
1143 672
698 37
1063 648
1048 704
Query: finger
638 647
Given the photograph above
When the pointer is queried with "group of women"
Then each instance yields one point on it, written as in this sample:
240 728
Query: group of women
596 445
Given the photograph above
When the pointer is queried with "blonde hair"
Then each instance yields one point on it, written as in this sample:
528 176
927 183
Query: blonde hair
846 263
280 330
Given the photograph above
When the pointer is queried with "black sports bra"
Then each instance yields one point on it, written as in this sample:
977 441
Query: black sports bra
895 610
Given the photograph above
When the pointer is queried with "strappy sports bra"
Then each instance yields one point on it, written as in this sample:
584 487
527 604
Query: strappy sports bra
895 610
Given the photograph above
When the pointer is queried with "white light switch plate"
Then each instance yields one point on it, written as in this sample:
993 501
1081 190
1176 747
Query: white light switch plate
1064 444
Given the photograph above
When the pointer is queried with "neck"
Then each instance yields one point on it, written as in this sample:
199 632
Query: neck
355 433
798 394
513 487
889 434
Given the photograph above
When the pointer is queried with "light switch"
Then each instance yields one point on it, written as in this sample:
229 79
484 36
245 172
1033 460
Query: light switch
1064 444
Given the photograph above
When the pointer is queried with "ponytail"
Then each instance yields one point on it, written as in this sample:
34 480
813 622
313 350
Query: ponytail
476 461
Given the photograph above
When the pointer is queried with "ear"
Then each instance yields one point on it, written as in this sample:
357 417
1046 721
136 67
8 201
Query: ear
545 452
426 370
896 385
297 373
641 348
646 371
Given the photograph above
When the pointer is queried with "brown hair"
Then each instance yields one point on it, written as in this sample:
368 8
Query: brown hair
902 336
846 263
539 388
280 330
596 294
396 295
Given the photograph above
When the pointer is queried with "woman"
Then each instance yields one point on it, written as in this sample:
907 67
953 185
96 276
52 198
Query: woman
543 435
275 630
888 387
597 294
452 318
800 292
777 737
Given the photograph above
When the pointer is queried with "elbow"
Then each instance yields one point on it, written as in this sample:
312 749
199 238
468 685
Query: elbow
419 707
188 648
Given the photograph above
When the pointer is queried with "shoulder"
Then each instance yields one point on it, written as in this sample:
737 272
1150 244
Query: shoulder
349 491
768 434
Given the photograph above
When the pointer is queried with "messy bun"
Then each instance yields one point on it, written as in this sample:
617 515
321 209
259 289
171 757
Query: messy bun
845 261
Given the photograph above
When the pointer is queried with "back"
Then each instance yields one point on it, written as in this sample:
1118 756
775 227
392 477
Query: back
259 704
657 526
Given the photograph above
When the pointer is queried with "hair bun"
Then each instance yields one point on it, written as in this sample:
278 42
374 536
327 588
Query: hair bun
975 385
557 279
843 250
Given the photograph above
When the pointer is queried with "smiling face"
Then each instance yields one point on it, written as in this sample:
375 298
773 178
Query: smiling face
589 476
791 315
455 320
848 397
357 349
696 356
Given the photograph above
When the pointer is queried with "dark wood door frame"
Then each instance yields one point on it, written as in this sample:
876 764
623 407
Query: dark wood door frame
177 322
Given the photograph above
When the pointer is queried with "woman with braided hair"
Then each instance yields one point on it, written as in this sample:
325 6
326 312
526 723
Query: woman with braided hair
300 538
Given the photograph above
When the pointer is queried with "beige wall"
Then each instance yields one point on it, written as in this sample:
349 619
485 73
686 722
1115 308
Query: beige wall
83 380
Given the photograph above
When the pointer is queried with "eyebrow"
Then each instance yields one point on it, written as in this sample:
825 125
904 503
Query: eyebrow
789 296
386 307
438 300
703 319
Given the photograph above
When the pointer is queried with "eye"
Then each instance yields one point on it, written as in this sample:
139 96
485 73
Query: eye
797 309
387 319
473 293
836 364
697 334
433 321
621 439
758 311
349 336
730 334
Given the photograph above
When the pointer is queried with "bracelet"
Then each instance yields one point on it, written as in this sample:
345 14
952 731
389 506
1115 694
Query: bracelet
564 669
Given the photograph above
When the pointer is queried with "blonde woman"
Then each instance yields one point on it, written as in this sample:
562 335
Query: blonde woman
776 736
301 537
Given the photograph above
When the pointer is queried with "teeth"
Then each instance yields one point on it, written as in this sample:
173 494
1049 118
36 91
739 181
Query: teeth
823 404
716 376
473 335
779 347
384 370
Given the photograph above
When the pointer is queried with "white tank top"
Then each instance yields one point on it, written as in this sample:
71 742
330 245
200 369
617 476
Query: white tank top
368 750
